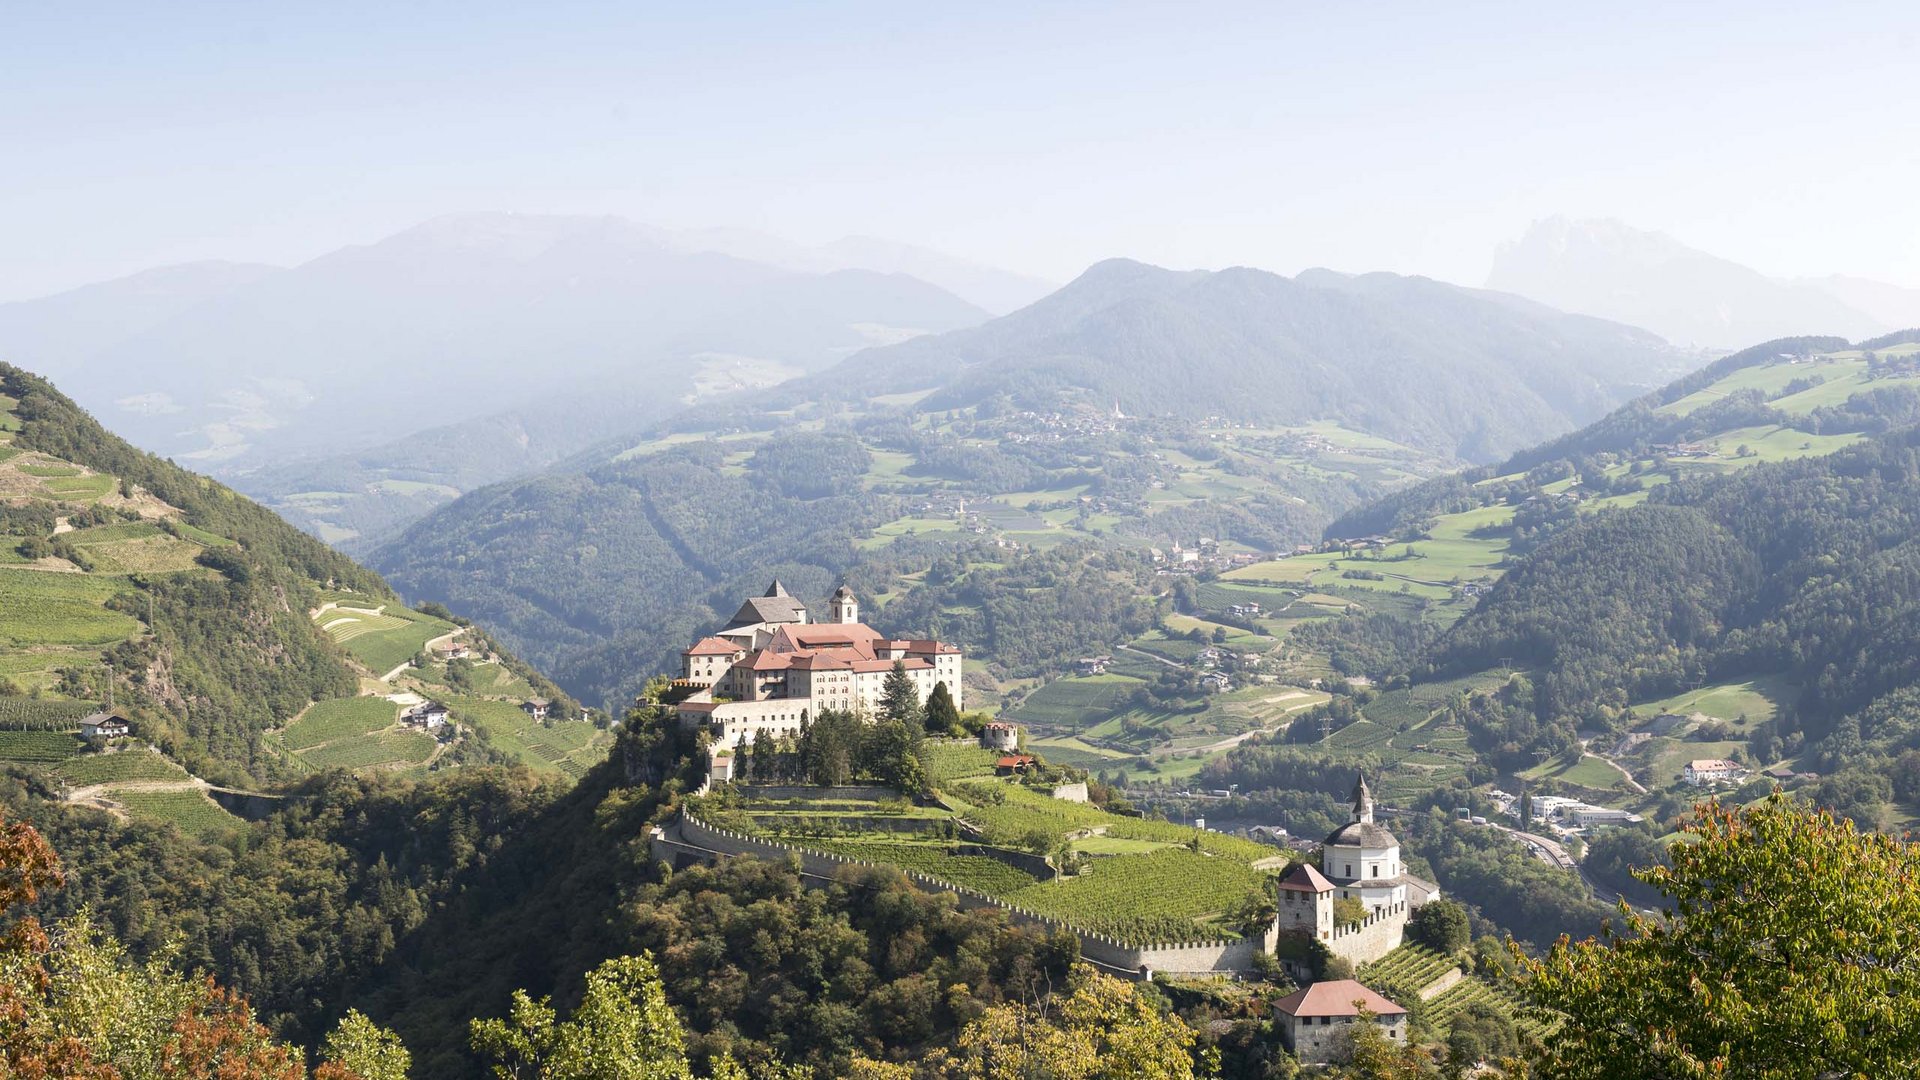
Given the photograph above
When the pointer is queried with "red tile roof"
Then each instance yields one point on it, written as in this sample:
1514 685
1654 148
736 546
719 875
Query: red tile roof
1336 998
1013 761
712 646
1304 878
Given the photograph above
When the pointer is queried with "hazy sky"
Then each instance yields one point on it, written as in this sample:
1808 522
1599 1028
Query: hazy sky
1039 137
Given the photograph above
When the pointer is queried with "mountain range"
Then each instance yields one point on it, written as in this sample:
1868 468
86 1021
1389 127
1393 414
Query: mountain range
354 379
1239 404
1610 269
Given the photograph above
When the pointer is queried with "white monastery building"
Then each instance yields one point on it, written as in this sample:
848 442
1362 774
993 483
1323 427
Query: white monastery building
772 668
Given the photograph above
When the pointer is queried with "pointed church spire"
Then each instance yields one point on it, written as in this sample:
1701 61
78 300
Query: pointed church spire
1362 800
777 589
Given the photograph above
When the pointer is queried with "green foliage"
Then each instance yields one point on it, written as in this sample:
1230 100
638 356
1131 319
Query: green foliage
1440 925
367 1050
623 1029
1773 962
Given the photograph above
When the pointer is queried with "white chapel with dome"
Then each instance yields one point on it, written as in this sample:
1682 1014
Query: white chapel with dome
1359 861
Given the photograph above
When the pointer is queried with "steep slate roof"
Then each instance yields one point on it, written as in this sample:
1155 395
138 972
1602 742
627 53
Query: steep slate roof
777 606
1304 878
1361 834
1336 998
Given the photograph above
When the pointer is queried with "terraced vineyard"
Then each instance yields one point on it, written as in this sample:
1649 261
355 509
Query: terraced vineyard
341 718
382 640
24 713
38 747
386 750
1477 990
118 766
569 747
188 808
1168 895
1409 968
938 860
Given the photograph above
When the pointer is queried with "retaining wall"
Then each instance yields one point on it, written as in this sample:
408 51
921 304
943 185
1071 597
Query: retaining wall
691 837
1442 984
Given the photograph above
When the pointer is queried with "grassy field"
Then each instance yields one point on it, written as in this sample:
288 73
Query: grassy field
40 608
340 718
1756 699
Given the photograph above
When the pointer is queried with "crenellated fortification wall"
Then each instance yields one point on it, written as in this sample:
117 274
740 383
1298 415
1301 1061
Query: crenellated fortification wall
690 837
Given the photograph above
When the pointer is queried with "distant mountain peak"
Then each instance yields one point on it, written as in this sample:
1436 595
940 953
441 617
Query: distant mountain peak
1607 268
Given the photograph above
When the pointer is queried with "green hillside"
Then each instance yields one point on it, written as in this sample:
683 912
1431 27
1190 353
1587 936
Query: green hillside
203 609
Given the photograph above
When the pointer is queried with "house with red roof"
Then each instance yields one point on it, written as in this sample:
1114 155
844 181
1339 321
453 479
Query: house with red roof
1318 1022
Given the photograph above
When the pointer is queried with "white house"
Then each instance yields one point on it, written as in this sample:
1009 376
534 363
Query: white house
1712 771
105 725
429 715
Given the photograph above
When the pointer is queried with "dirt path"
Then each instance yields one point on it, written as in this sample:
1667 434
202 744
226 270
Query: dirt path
1148 655
100 796
1232 741
1617 767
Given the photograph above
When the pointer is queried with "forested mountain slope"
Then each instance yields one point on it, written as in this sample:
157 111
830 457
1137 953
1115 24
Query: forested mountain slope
1462 373
1738 548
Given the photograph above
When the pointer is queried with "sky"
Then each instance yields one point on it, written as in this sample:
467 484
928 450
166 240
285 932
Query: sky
1038 137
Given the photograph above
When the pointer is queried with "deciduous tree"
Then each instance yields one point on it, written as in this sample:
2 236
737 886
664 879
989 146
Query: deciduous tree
1791 949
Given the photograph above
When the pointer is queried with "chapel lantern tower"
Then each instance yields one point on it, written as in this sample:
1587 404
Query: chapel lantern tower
843 608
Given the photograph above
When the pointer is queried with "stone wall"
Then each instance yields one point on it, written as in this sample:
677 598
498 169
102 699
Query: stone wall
1072 792
849 792
1442 984
1379 934
687 836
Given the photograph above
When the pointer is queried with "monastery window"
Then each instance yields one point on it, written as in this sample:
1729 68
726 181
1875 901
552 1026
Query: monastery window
1376 870
1349 872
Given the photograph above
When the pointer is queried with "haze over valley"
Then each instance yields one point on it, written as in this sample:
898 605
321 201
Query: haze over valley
750 542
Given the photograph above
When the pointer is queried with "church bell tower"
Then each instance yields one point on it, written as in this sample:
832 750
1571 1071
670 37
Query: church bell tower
843 608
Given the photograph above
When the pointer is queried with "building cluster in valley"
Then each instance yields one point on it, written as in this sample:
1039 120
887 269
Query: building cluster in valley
772 668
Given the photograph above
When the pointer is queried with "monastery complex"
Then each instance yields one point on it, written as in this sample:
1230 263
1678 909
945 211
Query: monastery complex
772 667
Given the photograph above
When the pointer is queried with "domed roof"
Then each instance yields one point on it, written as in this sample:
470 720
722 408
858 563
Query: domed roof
1361 834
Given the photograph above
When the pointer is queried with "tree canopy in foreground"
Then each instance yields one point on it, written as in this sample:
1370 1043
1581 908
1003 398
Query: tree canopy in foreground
1790 949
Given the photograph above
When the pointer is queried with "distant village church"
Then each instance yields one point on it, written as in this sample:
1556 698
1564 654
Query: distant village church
1359 861
772 668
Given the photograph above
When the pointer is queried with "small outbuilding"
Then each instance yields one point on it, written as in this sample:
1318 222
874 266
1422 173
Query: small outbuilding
1317 1022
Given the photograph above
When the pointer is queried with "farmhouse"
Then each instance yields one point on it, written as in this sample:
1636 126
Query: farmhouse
1010 764
1712 771
771 668
105 725
1317 1021
428 714
452 650
536 707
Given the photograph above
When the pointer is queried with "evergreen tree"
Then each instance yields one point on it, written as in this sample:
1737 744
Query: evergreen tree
900 699
943 716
